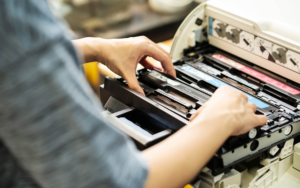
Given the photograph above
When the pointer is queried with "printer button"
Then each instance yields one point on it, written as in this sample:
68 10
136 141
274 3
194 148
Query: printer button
282 121
265 128
270 122
204 69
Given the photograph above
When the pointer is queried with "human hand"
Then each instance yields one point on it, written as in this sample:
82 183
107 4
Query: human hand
229 107
122 56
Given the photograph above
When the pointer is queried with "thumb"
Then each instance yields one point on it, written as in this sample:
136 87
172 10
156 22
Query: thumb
196 114
134 84
261 120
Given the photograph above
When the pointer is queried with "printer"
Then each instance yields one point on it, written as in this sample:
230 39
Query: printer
251 46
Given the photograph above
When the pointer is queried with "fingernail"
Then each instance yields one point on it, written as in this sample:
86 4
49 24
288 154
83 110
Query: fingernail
142 93
175 75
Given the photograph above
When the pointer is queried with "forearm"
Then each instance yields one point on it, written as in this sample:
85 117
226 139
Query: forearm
90 48
177 160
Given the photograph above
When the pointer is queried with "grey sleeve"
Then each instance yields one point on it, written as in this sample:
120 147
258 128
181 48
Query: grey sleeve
50 120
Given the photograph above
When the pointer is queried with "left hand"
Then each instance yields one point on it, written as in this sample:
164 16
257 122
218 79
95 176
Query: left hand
122 56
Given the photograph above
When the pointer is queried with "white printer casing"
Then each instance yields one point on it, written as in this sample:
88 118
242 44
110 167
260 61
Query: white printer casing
260 46
265 33
275 24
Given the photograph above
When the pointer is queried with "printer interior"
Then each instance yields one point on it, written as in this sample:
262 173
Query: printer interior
219 45
202 70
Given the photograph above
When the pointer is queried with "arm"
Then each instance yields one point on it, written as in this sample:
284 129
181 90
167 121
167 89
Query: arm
50 119
177 160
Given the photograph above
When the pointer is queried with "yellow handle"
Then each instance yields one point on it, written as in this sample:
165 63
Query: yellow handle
188 186
92 74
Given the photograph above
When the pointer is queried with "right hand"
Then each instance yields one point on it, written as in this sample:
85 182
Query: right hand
230 108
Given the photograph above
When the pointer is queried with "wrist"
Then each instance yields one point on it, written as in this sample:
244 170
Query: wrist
221 124
90 48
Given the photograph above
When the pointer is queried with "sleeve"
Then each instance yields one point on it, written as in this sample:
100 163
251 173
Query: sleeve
50 120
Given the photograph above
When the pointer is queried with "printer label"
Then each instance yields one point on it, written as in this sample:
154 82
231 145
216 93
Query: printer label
219 83
255 44
256 74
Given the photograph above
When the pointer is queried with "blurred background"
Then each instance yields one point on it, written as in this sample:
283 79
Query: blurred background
156 19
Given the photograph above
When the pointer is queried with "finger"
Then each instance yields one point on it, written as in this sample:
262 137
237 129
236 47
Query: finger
195 114
261 120
193 117
158 46
149 65
162 49
133 83
243 96
252 106
166 62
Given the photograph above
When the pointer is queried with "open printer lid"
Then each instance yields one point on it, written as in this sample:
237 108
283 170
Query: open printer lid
265 33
